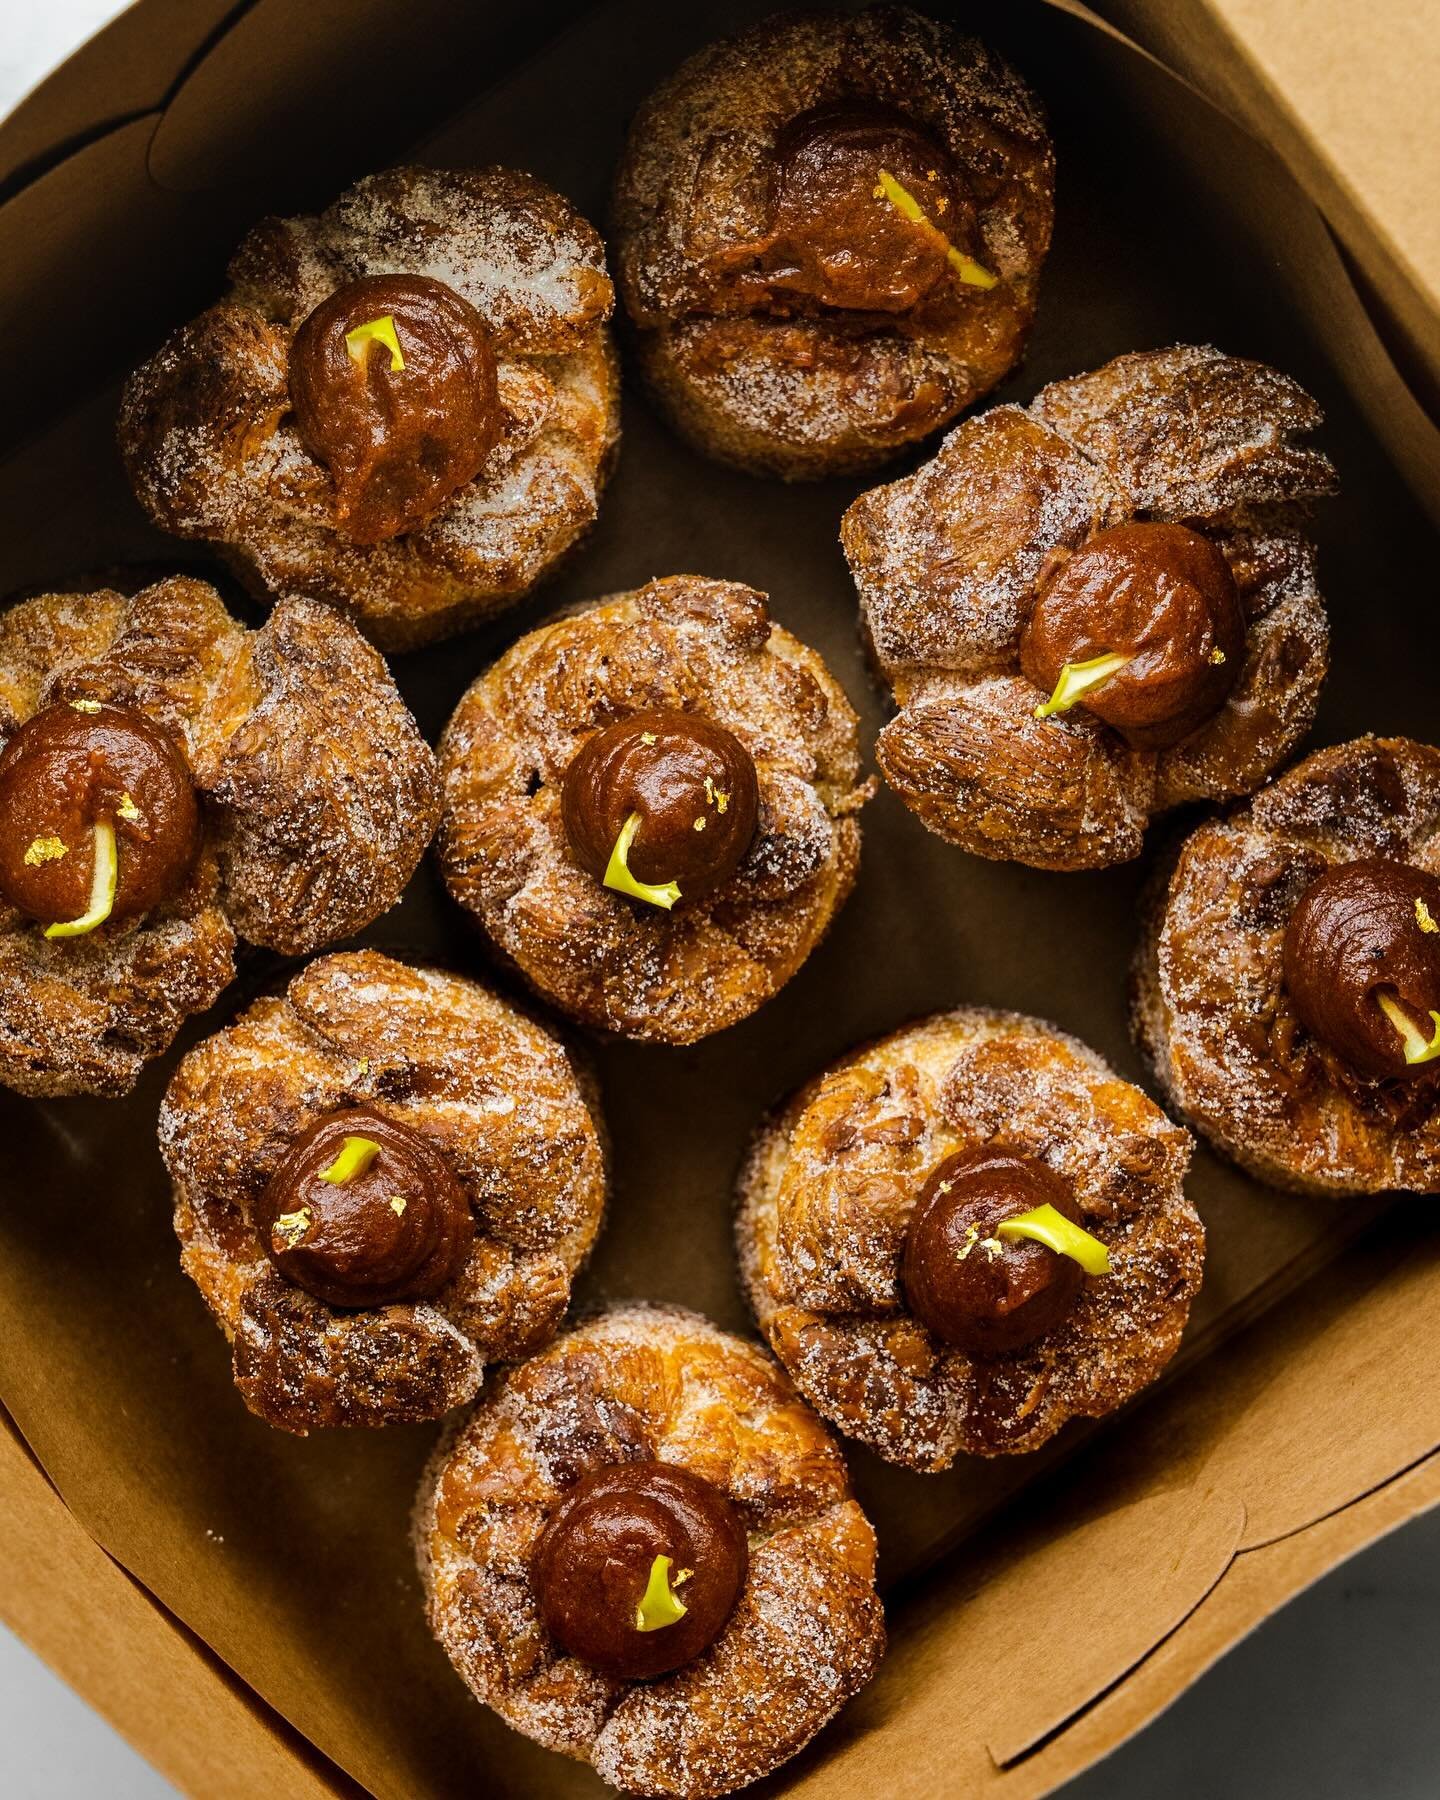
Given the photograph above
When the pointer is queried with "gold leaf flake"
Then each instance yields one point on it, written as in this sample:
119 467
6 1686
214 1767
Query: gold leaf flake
290 1227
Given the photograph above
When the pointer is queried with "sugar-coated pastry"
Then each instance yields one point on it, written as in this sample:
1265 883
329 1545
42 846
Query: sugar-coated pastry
1287 982
828 234
641 1550
650 807
170 780
1097 607
966 1233
384 1179
406 405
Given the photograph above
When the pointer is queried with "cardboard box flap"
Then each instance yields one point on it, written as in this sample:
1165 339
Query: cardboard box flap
1084 1606
80 293
1035 1623
124 70
246 116
1345 94
1355 1359
151 1678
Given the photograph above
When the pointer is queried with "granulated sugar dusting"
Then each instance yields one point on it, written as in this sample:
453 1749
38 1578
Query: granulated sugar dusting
826 1201
1211 1008
206 428
686 643
318 796
496 1093
950 561
643 1382
742 366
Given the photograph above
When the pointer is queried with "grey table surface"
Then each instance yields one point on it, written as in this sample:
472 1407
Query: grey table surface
1333 1699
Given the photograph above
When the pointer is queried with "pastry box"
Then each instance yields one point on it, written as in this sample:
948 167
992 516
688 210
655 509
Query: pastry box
243 1604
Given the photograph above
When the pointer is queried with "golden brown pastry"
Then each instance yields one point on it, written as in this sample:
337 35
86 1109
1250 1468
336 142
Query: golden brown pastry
966 1233
1287 982
406 405
645 1469
650 807
828 234
384 1179
170 780
1097 607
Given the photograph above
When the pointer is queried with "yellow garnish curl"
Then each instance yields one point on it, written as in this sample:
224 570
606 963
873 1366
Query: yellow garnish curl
1217 656
1424 918
356 1156
43 850
659 1605
85 706
618 876
1049 1227
397 1205
289 1228
375 331
102 887
1076 681
974 274
1417 1050
127 809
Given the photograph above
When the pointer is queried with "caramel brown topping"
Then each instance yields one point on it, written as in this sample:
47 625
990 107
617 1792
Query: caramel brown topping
1162 598
1355 941
393 384
329 1223
839 237
988 1295
602 1593
70 769
691 783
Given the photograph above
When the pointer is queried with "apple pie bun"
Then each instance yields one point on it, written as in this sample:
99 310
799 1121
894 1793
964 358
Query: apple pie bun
966 1233
691 1673
1286 986
406 405
1097 607
171 781
828 233
385 1178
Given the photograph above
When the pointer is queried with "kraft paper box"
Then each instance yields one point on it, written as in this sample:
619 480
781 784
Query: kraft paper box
241 1604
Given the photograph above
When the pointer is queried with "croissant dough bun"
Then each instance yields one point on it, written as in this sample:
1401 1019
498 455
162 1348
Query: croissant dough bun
1211 1007
514 1120
317 796
694 647
953 562
210 437
649 1382
830 1188
764 351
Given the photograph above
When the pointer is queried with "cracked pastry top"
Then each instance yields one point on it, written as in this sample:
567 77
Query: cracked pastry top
641 1550
828 233
967 1233
385 1178
406 405
1287 982
169 782
650 807
1097 607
